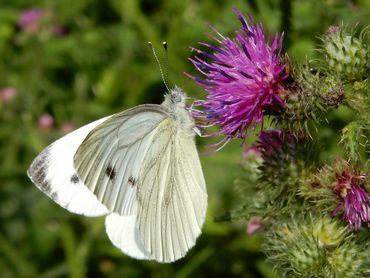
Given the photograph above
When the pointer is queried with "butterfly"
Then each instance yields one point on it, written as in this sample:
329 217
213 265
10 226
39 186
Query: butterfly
141 169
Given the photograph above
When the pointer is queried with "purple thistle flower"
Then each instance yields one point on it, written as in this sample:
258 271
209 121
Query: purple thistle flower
33 20
45 122
243 77
333 29
271 142
255 224
251 151
68 127
355 203
29 19
7 94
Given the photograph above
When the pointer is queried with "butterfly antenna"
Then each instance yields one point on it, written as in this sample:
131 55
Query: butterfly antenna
166 74
160 66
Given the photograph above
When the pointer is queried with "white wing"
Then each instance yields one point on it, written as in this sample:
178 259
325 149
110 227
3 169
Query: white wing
109 159
172 195
54 174
123 233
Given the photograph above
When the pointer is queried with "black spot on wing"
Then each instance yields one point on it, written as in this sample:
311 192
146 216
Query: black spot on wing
132 181
110 172
75 179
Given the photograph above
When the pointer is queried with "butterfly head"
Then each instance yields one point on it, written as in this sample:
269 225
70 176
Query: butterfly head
176 96
174 101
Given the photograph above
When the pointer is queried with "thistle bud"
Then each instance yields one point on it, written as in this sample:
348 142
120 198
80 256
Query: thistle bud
347 56
308 99
285 159
349 260
315 246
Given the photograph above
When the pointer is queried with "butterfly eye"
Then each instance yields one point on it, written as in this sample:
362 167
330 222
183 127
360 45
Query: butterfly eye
177 95
176 98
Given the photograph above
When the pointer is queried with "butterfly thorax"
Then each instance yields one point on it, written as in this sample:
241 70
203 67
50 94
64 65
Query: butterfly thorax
174 101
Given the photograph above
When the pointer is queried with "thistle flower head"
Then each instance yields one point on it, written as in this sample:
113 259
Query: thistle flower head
68 127
29 19
35 20
242 78
272 142
255 224
251 151
355 199
7 94
285 159
45 122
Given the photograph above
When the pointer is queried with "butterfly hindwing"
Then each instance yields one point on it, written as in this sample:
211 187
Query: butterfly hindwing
109 159
172 195
123 233
53 173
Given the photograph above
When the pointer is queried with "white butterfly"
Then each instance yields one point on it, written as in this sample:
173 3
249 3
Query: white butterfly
139 167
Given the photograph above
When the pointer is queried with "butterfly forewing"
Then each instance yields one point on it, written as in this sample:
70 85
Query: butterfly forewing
109 159
53 173
172 195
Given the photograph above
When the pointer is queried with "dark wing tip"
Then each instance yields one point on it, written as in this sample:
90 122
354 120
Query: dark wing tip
37 171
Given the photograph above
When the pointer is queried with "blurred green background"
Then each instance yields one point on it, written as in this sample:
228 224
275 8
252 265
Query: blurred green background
81 60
